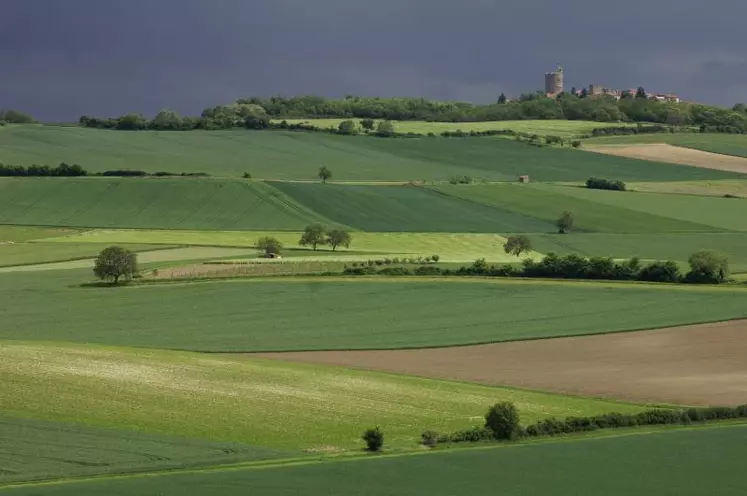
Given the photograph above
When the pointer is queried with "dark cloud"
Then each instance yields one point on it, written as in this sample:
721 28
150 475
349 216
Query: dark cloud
61 59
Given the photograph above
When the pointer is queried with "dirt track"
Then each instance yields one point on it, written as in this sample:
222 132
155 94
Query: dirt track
695 365
660 152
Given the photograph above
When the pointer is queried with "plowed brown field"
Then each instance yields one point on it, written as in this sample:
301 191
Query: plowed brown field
692 365
660 152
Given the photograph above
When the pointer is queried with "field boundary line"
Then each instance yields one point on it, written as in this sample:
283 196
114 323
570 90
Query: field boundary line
300 461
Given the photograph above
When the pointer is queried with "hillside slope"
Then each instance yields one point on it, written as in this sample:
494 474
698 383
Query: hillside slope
298 156
149 203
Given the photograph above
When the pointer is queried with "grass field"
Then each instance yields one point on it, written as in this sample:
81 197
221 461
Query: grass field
39 253
157 256
149 203
298 156
734 187
34 449
720 213
406 208
545 203
450 247
683 462
328 313
563 128
254 401
19 234
727 144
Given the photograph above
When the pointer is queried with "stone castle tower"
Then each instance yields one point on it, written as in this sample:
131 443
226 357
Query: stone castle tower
554 82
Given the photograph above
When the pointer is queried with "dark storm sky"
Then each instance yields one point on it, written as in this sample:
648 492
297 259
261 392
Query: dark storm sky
63 58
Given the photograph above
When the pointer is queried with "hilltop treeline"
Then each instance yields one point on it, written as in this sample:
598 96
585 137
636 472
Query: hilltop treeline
256 113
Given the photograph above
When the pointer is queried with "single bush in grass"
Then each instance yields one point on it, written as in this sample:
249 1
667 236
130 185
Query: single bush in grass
429 438
374 439
503 420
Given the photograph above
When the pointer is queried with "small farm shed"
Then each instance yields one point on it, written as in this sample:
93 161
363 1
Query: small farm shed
523 179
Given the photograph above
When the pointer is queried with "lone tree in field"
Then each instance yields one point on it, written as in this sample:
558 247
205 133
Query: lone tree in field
325 174
115 263
338 237
516 245
708 266
374 439
503 420
271 246
565 222
314 235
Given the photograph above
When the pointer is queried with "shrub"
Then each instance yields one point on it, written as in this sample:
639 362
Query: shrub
367 124
576 144
707 266
503 420
660 272
395 271
427 270
435 258
347 128
374 439
598 183
429 438
246 175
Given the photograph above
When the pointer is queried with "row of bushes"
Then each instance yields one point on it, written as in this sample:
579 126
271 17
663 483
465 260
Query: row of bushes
509 428
62 170
599 183
706 267
640 129
75 170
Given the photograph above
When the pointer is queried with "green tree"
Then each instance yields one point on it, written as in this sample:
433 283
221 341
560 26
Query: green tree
385 129
166 120
271 246
374 439
502 99
132 122
368 124
503 420
347 128
324 174
564 222
313 235
640 93
338 237
708 266
516 245
114 263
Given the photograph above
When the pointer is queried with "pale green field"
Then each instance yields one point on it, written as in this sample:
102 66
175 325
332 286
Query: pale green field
168 255
561 128
239 399
450 247
736 187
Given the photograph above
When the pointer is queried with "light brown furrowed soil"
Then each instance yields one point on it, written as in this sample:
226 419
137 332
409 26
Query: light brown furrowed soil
660 152
692 365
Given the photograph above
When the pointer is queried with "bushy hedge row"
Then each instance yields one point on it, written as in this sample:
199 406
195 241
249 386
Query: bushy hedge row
62 170
553 266
599 183
570 425
75 170
626 130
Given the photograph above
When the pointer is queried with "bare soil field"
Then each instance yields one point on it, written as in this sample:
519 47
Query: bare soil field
661 152
690 365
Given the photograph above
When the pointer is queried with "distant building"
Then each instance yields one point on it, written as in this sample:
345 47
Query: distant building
554 82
